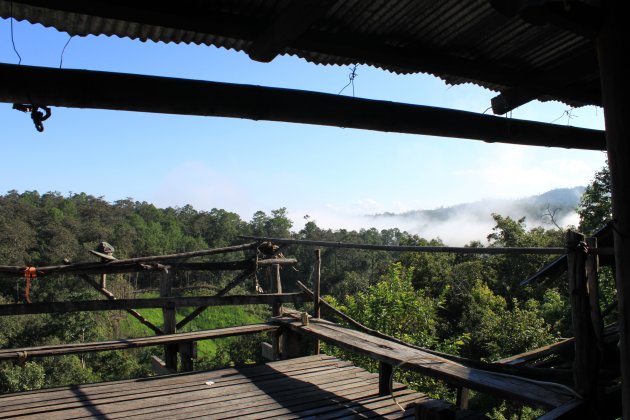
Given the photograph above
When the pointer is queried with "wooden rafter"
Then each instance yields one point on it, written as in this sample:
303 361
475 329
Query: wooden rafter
128 92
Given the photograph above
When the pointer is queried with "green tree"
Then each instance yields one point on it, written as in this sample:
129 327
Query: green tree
595 208
15 378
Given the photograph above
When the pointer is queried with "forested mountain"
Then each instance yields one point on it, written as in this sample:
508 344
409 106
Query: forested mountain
462 304
459 224
562 200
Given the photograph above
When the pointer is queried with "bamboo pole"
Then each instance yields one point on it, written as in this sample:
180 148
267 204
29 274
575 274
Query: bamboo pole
106 267
409 248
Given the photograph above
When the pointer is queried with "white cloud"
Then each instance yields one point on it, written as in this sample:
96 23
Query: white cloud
517 171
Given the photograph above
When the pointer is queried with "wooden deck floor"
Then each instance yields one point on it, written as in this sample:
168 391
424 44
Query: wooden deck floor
315 386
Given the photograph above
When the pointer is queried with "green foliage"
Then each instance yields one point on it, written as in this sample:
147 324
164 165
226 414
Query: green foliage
460 304
394 307
595 207
512 269
486 319
15 378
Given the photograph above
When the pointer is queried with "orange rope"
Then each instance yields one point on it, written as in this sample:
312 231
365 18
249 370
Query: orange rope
29 273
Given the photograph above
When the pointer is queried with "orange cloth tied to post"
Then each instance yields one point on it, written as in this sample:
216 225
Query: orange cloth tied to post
29 273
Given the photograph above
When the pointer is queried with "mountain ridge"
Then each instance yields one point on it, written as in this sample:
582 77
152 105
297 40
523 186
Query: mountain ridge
562 201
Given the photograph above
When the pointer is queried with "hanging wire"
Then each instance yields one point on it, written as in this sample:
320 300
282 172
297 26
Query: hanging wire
351 77
487 109
12 39
64 50
568 113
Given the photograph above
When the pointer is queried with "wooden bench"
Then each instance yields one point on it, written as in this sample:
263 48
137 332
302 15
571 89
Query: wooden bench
528 391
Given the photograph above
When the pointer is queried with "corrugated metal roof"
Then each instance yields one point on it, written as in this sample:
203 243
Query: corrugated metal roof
403 36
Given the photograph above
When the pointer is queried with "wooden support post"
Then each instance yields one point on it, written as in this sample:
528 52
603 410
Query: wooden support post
592 282
462 397
187 355
277 288
585 364
289 344
275 344
317 310
170 350
434 410
612 47
385 378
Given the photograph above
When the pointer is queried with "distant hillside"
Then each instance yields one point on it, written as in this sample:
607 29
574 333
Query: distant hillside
469 220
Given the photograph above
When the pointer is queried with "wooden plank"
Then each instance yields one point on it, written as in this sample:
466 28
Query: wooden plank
501 385
287 400
383 408
562 346
285 366
362 405
268 391
314 398
305 365
219 407
316 384
227 386
41 351
129 92
159 367
186 395
142 303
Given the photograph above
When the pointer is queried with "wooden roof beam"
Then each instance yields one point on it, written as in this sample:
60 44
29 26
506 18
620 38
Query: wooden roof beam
357 50
296 19
129 92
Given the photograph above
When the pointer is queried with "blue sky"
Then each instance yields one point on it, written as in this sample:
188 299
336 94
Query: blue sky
332 174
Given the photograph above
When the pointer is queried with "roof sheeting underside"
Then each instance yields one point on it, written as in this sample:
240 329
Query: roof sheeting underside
461 30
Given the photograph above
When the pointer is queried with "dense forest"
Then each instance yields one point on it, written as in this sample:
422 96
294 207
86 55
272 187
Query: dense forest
469 305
